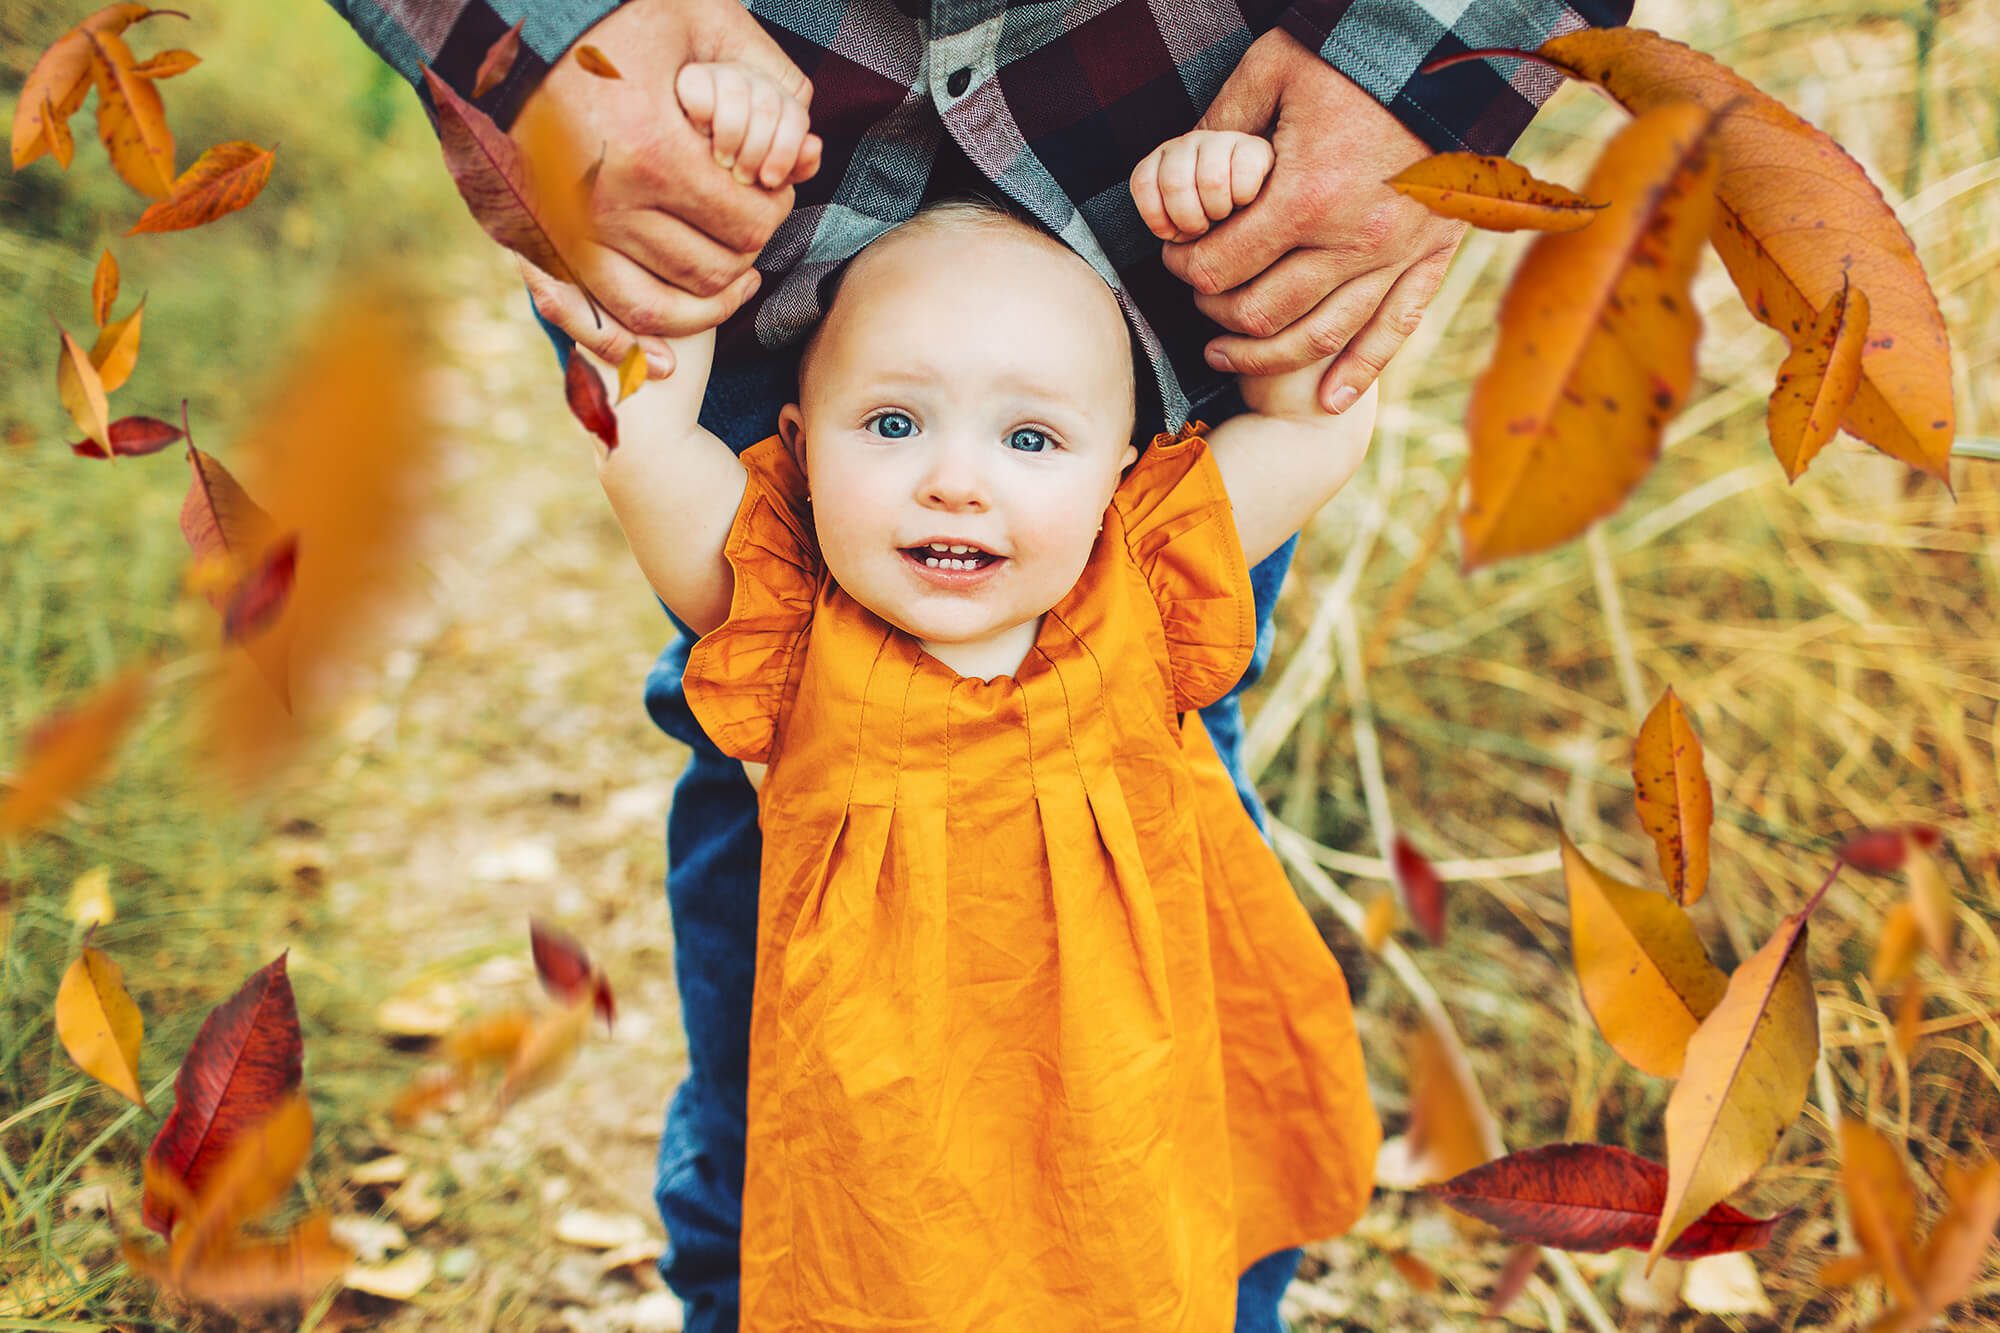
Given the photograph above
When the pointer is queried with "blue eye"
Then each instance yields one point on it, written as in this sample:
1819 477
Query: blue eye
1028 440
893 426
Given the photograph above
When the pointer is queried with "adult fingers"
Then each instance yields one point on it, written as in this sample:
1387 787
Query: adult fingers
1320 333
671 250
562 305
1280 294
1371 349
1178 192
637 299
1248 98
1239 248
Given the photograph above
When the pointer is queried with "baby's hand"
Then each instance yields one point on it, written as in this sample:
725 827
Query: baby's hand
758 129
1200 178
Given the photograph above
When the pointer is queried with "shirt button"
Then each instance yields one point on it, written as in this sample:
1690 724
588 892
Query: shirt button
958 82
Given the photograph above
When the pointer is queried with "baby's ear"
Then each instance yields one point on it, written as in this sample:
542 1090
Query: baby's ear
792 430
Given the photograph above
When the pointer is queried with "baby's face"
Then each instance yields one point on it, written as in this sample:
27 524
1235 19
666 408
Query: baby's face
971 388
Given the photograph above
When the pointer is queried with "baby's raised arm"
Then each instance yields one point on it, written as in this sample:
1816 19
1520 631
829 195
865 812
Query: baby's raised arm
1286 457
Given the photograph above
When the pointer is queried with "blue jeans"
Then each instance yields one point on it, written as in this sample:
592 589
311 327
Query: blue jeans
713 850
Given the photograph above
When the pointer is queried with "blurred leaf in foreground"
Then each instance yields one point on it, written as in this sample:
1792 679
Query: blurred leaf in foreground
67 750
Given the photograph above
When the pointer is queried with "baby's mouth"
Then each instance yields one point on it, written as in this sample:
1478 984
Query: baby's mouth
952 556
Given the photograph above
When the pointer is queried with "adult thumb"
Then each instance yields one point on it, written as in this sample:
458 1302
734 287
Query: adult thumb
1248 101
737 36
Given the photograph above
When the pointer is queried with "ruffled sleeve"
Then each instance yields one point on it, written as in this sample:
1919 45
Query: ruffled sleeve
1182 536
739 675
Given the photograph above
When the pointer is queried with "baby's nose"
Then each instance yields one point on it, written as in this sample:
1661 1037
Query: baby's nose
953 480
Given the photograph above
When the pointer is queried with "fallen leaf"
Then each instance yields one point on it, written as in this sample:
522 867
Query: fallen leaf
596 62
58 83
583 387
1595 350
1725 1284
90 898
82 391
254 1273
243 1063
104 288
398 1280
594 1230
223 179
1748 1067
1645 976
66 751
99 1025
131 119
117 349
1670 789
1817 380
499 61
1882 1204
1422 890
1592 1198
131 437
1493 193
631 372
166 64
1780 178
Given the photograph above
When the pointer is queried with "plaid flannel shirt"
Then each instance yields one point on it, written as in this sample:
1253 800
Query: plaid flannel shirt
1054 102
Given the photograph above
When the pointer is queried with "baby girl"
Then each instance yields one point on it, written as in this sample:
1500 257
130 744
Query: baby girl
1041 1037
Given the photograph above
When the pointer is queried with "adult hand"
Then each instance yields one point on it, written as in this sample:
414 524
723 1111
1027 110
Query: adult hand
675 231
1328 259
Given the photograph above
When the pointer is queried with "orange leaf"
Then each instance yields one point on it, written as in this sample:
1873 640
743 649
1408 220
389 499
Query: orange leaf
246 1274
499 61
117 349
1646 978
1798 218
1671 791
82 391
1492 192
104 288
1932 902
1955 1254
545 1052
1450 1126
1895 948
99 1025
596 62
1909 1029
1882 1204
65 752
1380 921
495 1039
225 178
167 64
631 372
131 119
57 84
1596 346
1747 1070
1415 1271
263 1160
59 139
1817 380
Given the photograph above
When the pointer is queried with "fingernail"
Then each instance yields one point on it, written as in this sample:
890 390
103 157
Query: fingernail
744 178
1217 360
1343 398
660 363
724 160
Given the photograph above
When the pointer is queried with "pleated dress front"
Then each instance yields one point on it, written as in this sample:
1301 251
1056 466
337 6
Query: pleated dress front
1041 1037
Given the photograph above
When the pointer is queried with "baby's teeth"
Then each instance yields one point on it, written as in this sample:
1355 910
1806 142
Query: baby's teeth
960 550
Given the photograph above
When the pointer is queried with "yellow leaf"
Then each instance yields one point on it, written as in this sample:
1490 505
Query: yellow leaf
546 1051
1379 922
62 77
1451 1129
495 1039
131 119
1817 381
99 1024
117 349
90 898
631 372
1909 1029
82 392
104 288
65 753
1931 901
1747 1070
1596 346
1645 976
1797 218
1670 789
1896 947
167 64
60 142
257 1171
1492 192
223 179
596 62
1882 1203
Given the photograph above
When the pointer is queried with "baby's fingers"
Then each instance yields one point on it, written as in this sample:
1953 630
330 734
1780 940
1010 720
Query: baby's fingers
786 144
1177 187
716 98
1146 196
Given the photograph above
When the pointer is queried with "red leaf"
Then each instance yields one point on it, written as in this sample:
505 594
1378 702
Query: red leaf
131 437
499 61
560 961
260 598
584 388
1423 892
1883 851
246 1058
1592 1197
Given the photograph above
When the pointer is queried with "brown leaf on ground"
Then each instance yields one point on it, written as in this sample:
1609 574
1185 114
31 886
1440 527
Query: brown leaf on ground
223 179
1493 193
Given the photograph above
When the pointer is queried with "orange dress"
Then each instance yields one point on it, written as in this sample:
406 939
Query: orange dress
1040 1037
